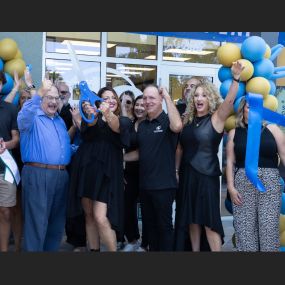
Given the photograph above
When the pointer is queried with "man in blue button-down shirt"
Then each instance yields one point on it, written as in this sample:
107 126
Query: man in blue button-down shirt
45 150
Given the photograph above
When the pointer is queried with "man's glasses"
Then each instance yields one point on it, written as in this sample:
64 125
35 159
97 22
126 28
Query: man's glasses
51 98
190 85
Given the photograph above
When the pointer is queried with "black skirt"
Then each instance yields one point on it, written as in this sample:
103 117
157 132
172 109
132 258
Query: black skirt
198 202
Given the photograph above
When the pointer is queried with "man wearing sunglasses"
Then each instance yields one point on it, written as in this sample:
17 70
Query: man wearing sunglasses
63 106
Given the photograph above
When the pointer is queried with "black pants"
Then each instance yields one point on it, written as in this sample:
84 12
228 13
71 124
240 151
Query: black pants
157 218
75 231
131 195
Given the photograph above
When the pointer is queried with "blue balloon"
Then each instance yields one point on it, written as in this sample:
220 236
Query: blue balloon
224 73
1 64
263 68
282 211
8 86
225 87
253 48
16 99
282 184
282 248
272 87
237 102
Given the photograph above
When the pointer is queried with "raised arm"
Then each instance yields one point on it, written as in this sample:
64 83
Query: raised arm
226 107
28 112
17 83
173 114
235 196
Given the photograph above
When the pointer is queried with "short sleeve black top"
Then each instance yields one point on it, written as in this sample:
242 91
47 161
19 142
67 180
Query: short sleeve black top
157 145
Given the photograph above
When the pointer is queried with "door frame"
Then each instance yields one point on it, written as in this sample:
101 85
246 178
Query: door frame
192 70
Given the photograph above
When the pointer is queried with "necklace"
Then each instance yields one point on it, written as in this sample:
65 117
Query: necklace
198 120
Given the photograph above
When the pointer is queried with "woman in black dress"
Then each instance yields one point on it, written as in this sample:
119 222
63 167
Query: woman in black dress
97 177
198 201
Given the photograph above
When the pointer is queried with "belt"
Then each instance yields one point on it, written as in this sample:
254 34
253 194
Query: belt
48 166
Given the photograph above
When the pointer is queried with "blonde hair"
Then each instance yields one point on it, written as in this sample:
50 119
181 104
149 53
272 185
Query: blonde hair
240 114
213 96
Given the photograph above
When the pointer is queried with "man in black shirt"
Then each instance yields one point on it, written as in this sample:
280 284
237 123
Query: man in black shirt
157 140
9 139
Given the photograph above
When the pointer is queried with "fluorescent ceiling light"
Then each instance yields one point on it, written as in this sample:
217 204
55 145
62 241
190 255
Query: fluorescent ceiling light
62 68
114 75
169 58
58 63
183 51
136 68
132 72
86 52
87 44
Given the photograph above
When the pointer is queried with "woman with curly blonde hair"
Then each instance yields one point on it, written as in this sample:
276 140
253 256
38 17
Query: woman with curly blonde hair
198 201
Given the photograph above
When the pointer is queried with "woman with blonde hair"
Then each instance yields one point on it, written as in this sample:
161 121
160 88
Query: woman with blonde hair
198 201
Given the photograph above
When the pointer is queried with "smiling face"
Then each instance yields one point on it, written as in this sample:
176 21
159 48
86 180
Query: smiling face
201 102
139 109
50 102
152 101
111 99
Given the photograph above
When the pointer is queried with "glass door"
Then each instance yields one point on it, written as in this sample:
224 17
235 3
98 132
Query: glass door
174 79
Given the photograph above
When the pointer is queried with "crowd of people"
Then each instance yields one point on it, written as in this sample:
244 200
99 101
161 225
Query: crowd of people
89 179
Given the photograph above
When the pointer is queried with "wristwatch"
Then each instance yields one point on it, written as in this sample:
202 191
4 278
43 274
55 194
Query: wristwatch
31 87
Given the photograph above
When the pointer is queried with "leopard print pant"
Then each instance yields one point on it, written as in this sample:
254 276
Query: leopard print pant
256 221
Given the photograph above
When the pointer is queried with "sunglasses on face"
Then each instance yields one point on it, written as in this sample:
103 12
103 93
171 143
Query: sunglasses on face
64 92
129 102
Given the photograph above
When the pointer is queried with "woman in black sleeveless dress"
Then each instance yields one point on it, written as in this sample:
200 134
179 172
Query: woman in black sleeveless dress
198 201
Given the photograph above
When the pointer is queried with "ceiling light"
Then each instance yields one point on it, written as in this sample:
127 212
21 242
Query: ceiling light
136 68
169 58
87 44
183 51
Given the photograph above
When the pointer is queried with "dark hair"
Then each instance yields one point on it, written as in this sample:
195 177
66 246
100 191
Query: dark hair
3 77
107 88
129 93
137 98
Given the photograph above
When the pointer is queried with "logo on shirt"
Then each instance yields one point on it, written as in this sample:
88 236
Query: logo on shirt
158 130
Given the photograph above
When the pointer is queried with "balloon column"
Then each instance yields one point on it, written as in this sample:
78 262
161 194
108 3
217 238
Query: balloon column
257 76
10 60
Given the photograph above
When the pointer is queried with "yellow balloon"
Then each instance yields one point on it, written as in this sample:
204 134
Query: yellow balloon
281 223
230 123
247 73
18 54
8 49
267 52
270 102
258 85
282 238
228 53
17 64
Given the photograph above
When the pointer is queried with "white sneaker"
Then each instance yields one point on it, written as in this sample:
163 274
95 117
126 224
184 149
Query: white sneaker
131 247
140 249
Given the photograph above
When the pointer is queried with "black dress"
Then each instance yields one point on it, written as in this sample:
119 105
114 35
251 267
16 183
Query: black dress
97 169
198 198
